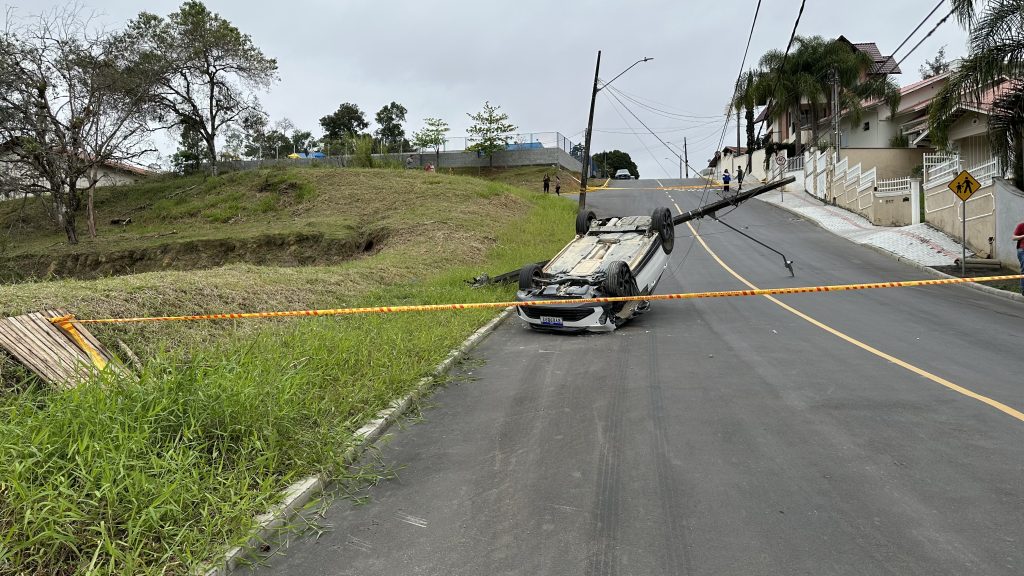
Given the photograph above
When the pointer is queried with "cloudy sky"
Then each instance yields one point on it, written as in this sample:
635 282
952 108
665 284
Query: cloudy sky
444 58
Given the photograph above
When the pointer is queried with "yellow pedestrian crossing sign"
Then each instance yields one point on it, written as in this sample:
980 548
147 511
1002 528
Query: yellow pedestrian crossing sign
964 185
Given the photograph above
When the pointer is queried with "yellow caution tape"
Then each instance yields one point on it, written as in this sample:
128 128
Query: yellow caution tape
66 324
570 301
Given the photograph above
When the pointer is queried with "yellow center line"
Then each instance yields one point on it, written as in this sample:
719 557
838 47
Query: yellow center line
908 366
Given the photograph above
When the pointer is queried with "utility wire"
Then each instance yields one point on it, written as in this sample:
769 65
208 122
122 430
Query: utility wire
637 134
637 97
661 112
909 36
782 67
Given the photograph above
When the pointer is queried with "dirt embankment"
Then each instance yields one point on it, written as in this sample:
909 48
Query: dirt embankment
279 249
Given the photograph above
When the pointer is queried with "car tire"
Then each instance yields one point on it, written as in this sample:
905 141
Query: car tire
661 223
528 276
619 280
583 221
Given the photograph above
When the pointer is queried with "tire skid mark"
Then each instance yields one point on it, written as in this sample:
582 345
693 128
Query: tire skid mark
676 543
603 559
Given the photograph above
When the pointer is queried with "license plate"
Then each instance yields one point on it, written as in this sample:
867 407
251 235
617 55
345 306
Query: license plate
550 320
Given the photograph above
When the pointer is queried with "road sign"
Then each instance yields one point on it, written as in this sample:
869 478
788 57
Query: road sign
964 185
780 159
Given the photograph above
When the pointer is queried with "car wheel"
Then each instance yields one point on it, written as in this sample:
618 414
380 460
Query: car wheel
619 280
661 222
583 221
528 276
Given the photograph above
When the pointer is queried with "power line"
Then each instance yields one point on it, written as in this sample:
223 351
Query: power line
644 144
782 67
661 112
637 97
909 36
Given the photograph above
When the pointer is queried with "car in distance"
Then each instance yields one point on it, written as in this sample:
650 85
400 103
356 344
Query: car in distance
623 174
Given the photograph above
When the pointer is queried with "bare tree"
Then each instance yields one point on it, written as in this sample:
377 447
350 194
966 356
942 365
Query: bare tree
73 99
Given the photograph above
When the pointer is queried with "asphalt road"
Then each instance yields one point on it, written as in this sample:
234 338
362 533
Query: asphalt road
726 436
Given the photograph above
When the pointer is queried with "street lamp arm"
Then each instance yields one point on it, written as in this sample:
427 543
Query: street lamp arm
603 86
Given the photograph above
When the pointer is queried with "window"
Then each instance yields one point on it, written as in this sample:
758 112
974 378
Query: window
867 126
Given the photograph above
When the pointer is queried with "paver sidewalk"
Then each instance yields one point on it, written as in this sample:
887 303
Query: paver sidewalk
919 243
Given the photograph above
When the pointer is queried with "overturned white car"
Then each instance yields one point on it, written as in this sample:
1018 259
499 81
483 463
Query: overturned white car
619 256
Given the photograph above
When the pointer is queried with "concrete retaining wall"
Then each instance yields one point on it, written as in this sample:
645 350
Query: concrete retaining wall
888 162
461 159
1009 213
891 209
942 211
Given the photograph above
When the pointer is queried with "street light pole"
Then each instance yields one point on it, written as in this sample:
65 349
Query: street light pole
586 140
590 125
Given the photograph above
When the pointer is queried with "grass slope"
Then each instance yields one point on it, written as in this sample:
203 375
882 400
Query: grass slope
156 475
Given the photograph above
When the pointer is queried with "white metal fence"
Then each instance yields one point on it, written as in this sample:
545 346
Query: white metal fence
893 186
940 169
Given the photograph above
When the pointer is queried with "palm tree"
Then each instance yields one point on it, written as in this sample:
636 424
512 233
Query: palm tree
750 92
808 76
995 60
789 81
834 61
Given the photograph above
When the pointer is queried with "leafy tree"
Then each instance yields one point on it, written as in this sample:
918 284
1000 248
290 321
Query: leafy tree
303 141
207 69
71 101
937 65
191 154
390 130
432 136
995 59
491 131
577 151
347 121
254 134
608 163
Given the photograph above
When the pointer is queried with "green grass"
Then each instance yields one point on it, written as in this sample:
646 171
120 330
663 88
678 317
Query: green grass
157 475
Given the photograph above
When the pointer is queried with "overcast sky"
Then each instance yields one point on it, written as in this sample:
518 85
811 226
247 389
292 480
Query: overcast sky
534 58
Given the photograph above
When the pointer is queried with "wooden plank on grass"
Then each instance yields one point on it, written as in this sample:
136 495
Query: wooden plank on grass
60 345
62 362
17 345
47 350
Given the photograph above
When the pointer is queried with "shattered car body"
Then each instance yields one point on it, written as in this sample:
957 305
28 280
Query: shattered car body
610 257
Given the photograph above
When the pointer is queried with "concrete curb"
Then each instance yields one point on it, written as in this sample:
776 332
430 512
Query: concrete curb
972 285
295 497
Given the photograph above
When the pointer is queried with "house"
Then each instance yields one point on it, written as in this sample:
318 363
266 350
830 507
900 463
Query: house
784 124
110 173
729 158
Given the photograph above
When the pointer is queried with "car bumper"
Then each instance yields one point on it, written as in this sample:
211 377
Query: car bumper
582 318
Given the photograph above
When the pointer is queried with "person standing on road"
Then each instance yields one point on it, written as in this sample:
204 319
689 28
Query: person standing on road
558 185
547 183
739 178
1018 237
726 178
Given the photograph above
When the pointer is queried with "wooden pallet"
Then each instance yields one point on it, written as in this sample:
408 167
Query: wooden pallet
52 353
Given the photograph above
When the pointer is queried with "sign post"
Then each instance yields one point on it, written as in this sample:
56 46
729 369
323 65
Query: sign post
780 160
964 186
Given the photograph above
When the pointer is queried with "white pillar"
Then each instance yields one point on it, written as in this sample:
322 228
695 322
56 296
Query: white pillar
915 201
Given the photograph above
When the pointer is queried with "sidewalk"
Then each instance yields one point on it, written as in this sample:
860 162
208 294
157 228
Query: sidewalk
918 243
